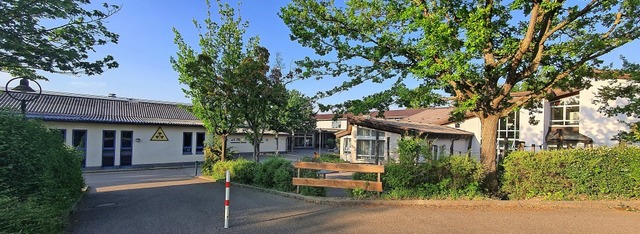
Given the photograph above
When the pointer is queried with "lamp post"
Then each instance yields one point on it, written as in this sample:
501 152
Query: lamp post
25 92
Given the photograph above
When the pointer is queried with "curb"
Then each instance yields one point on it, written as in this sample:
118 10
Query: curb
133 169
628 205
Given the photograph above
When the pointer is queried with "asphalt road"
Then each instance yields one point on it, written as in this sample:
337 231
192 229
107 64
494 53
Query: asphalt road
173 201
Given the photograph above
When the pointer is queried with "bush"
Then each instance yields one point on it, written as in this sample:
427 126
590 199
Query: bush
265 173
40 177
447 177
575 174
241 170
331 158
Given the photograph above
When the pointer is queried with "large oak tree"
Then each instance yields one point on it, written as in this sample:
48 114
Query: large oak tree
53 36
475 51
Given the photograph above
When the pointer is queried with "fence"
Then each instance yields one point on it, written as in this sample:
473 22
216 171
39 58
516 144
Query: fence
339 183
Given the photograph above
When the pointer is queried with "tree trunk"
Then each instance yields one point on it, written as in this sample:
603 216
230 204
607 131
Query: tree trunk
489 131
293 139
277 145
256 150
223 146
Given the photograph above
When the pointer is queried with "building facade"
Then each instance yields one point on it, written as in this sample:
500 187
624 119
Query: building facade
124 132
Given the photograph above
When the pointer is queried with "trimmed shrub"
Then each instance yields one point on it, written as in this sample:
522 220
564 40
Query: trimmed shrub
241 170
575 174
330 158
265 173
40 177
447 177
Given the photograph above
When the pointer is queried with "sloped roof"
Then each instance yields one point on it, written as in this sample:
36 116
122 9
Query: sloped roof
390 114
52 106
436 115
402 127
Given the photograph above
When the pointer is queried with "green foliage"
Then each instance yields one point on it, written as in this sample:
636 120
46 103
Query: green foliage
210 74
40 177
331 143
331 158
265 173
575 174
53 36
447 177
229 77
297 115
411 148
241 170
476 52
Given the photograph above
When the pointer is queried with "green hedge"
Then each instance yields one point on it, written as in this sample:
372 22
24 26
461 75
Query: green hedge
576 174
447 177
241 170
40 177
274 172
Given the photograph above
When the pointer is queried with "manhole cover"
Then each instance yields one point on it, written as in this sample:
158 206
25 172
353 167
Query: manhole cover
105 205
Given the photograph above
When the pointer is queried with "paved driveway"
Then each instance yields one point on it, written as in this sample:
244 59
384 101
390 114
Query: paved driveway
172 201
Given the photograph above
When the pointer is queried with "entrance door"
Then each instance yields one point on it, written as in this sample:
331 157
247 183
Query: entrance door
126 148
108 148
79 138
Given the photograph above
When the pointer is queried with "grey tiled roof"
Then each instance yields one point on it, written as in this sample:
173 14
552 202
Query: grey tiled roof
402 127
96 109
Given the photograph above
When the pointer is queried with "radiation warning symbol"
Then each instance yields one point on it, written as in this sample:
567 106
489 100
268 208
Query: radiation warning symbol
159 135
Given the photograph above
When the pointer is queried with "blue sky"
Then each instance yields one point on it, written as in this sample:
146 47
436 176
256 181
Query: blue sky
146 44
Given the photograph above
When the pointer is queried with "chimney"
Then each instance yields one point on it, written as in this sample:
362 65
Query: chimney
112 95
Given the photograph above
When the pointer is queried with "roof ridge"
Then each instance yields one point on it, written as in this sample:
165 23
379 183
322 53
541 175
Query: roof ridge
93 96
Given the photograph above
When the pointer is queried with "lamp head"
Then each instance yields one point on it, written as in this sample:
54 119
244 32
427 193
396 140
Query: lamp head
24 86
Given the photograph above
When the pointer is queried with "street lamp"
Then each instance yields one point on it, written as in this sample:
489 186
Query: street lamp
25 92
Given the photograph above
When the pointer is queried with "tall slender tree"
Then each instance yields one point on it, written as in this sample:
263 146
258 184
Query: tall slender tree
53 36
476 51
260 94
211 72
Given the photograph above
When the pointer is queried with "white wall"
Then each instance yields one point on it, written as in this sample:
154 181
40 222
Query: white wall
596 125
534 133
470 125
268 144
153 152
326 124
144 152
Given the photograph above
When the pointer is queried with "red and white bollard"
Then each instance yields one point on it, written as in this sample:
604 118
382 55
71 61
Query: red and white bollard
226 200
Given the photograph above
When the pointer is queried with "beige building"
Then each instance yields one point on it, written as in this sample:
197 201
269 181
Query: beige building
123 132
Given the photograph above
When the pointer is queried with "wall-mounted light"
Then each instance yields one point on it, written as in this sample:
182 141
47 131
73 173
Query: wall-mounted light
137 139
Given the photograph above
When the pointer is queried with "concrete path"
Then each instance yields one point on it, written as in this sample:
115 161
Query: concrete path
172 201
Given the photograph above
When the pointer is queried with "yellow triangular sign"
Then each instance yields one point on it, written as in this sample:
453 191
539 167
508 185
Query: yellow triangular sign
159 135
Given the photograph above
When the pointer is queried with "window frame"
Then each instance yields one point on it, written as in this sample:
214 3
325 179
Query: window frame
563 105
187 147
199 143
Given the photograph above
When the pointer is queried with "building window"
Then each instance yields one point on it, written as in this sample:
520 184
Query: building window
303 141
200 142
365 144
566 111
79 141
108 148
509 131
336 124
347 145
187 142
365 150
126 148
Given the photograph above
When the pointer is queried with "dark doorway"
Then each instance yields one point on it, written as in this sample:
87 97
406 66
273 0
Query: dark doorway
126 148
108 148
79 138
